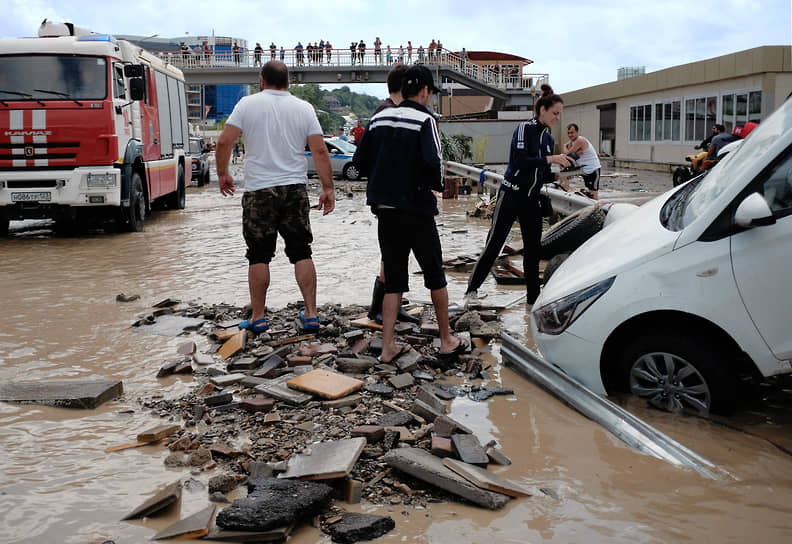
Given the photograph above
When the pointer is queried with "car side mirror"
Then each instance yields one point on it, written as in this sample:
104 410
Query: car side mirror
754 211
133 70
137 89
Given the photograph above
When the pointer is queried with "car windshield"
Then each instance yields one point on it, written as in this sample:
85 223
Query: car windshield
195 147
731 169
342 145
52 77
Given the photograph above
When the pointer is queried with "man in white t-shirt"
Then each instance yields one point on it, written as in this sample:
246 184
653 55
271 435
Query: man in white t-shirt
587 160
276 126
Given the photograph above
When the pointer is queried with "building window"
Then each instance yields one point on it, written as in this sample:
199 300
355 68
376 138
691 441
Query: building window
668 119
641 123
737 108
700 115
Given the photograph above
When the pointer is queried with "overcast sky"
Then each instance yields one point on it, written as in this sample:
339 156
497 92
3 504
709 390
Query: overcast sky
579 44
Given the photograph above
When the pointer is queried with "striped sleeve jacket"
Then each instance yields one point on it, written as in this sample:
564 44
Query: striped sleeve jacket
400 153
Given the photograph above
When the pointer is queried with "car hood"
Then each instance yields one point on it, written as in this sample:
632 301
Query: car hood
625 244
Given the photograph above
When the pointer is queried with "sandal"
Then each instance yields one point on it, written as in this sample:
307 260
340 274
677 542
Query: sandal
461 348
402 350
256 327
309 323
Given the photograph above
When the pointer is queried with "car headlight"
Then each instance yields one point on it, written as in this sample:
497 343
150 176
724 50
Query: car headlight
101 180
555 317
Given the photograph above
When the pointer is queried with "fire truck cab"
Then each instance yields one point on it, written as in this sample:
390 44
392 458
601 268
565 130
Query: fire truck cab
90 128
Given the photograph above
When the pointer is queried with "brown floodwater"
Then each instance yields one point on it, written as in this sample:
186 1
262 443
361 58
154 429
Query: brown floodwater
59 319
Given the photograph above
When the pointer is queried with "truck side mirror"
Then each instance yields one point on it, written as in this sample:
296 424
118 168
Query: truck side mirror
137 89
133 70
754 211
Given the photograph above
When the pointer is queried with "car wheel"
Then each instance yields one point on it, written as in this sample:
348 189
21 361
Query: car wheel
552 265
206 177
569 234
4 222
677 373
351 172
135 215
176 200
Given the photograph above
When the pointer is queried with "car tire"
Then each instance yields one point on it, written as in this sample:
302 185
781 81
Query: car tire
351 172
569 234
4 222
176 200
134 216
205 178
677 373
552 265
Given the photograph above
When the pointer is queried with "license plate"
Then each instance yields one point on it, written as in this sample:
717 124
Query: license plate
31 197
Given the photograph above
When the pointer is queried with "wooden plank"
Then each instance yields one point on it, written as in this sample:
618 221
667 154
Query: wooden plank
225 334
131 445
327 460
326 384
487 480
366 322
195 526
233 345
157 433
292 340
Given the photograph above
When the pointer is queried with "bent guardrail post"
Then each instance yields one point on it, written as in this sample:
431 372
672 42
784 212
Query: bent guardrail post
622 424
563 202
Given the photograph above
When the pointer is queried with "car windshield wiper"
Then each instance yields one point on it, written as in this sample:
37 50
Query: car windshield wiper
17 93
58 93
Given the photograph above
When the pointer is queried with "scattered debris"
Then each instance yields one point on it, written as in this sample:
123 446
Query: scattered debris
195 526
157 503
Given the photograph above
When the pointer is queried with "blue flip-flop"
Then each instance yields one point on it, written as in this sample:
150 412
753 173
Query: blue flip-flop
309 323
257 326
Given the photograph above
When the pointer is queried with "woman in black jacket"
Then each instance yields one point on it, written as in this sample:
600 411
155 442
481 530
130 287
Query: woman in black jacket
530 157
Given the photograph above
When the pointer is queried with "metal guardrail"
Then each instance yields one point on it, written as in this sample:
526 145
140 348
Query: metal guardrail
563 202
622 424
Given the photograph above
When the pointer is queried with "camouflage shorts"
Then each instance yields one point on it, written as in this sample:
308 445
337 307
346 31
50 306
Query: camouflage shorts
267 212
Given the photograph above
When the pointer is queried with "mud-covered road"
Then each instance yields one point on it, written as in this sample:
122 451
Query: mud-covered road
60 319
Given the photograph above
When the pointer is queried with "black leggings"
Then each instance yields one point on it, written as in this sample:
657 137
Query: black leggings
512 205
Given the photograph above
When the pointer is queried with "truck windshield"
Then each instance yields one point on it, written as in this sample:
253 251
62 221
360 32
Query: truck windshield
731 169
52 77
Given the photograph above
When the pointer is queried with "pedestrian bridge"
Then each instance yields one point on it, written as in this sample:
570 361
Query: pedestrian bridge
342 66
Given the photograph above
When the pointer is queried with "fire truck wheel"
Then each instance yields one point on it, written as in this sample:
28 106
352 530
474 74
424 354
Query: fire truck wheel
137 205
176 199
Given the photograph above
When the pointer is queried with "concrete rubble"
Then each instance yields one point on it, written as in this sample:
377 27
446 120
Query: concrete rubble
284 406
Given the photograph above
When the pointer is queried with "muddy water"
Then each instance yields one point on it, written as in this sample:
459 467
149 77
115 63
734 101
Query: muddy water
59 319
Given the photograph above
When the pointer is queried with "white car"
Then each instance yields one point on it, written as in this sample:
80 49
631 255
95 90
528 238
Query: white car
341 153
689 293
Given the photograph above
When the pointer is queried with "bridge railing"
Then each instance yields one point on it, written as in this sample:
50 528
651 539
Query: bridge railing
347 58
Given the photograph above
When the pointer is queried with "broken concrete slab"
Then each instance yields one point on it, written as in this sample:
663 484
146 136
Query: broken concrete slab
202 359
157 433
277 388
327 460
187 348
170 325
441 446
252 381
497 457
355 527
227 379
326 384
273 503
445 426
398 418
426 394
349 400
168 368
422 409
487 480
469 449
245 363
217 400
409 361
278 534
379 389
195 526
400 381
425 466
157 503
372 433
74 393
257 404
268 366
355 366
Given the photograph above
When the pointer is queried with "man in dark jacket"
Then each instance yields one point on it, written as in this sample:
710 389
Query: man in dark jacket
400 154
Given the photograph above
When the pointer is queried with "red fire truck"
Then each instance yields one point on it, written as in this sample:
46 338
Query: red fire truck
90 128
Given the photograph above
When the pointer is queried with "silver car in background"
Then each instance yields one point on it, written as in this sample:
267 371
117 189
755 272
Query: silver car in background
341 153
